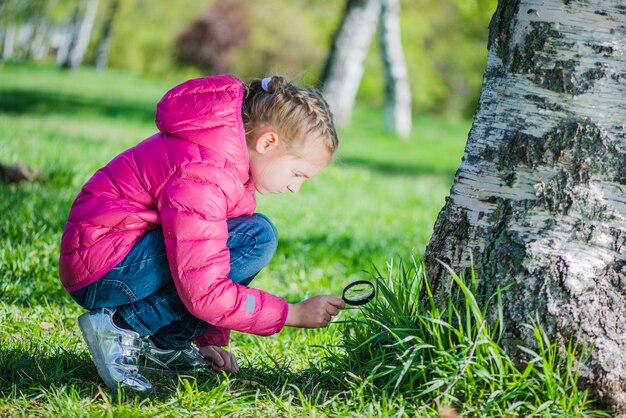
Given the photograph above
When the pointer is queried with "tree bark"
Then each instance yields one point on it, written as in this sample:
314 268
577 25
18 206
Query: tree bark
83 24
102 54
539 198
397 90
9 41
38 48
345 64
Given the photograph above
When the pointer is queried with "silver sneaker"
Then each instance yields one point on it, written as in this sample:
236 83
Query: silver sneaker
115 351
156 360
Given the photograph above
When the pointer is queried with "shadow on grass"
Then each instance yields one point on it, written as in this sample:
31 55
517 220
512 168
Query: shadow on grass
22 370
395 168
42 102
351 249
315 384
24 373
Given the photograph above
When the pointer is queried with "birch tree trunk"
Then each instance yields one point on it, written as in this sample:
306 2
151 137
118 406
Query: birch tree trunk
540 196
102 54
9 41
397 90
38 47
85 17
345 64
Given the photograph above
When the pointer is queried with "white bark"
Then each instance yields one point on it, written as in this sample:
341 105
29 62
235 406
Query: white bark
102 54
62 39
80 42
540 197
345 65
9 42
38 44
398 91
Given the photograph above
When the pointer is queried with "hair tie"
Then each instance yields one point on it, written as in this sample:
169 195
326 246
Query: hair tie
265 83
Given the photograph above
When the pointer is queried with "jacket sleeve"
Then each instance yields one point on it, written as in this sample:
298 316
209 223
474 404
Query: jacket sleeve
193 208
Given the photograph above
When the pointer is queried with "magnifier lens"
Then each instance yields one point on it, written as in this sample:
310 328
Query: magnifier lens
358 293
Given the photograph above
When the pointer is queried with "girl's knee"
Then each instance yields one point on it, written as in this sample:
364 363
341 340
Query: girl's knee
266 233
252 238
265 223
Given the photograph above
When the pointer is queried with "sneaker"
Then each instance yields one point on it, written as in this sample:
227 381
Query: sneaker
156 360
115 351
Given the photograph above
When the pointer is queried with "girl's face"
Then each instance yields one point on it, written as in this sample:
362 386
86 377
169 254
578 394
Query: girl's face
275 170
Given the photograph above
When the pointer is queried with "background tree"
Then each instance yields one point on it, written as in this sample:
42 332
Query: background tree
82 25
539 197
345 63
286 37
10 29
397 89
277 37
14 14
102 53
208 42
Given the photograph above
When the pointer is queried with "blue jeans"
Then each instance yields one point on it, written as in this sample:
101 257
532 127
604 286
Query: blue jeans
142 290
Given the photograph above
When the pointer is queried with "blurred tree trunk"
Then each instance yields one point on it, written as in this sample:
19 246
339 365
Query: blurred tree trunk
345 63
9 41
397 90
102 54
38 47
539 198
82 25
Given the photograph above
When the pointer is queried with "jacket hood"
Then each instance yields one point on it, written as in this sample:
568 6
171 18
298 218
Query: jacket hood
207 111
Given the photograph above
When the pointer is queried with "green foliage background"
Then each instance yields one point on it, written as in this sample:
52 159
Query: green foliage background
445 43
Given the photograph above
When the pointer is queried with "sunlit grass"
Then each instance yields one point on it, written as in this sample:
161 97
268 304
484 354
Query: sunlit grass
398 357
441 349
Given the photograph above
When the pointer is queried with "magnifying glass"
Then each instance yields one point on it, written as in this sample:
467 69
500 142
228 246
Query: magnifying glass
358 293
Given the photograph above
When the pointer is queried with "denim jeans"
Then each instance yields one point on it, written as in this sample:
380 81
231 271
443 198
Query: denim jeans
142 289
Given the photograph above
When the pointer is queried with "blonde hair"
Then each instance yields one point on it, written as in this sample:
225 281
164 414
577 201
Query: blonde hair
296 113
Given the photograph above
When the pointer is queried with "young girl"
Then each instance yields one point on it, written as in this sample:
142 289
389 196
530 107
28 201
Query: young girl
162 242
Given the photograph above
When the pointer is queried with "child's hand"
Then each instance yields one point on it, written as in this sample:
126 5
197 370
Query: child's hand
315 312
223 361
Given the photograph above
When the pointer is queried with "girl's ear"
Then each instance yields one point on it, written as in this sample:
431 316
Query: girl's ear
267 141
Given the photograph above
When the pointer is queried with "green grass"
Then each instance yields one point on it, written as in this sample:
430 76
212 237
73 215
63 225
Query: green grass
374 206
450 354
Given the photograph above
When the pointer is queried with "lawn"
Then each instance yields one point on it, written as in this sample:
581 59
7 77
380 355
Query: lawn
372 209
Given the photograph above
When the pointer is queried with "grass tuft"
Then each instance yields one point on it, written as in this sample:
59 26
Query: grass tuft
444 352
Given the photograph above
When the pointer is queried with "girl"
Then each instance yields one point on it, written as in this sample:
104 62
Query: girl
163 241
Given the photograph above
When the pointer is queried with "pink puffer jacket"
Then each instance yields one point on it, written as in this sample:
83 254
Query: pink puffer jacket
190 178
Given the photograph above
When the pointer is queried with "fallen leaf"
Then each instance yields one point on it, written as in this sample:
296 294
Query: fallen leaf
446 411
